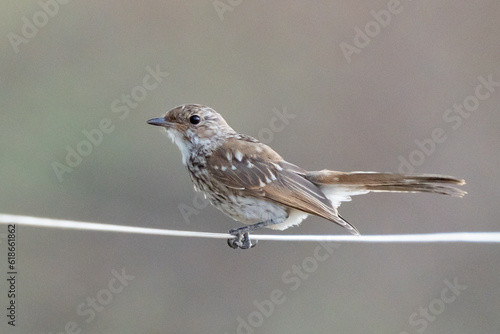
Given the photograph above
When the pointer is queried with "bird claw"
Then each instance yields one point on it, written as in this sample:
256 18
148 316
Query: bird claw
242 240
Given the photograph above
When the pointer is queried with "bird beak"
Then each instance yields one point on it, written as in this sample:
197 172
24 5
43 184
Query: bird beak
159 122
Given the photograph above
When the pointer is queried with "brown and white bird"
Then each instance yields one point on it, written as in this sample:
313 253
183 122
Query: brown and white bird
251 183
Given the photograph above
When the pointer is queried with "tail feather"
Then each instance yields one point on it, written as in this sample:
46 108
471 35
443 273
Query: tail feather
388 182
338 187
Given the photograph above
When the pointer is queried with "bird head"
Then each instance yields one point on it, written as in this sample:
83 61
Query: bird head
193 125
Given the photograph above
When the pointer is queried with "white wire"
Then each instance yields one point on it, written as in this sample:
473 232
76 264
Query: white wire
488 237
76 225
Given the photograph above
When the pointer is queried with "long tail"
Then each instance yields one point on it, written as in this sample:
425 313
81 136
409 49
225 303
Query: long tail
363 182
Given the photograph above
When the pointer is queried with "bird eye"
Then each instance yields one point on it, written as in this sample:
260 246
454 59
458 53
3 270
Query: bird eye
195 119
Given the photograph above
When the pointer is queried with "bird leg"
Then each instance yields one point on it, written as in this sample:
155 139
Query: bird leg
242 240
242 235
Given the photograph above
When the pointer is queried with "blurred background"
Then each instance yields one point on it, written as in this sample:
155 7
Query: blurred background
378 85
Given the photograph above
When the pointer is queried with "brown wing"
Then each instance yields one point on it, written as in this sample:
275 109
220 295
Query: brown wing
257 170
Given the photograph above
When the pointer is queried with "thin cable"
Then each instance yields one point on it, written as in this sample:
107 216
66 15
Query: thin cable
484 237
76 225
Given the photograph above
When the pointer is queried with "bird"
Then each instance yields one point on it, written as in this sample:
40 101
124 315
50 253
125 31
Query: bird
251 183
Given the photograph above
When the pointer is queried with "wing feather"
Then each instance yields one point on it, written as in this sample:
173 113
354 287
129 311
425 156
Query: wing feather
256 170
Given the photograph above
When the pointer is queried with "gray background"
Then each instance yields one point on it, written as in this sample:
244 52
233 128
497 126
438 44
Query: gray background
260 56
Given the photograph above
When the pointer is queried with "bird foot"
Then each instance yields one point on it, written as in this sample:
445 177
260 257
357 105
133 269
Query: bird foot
242 239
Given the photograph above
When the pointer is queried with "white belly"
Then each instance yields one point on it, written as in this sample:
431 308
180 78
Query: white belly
249 210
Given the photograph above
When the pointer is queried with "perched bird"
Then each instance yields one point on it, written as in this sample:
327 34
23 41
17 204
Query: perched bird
251 183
